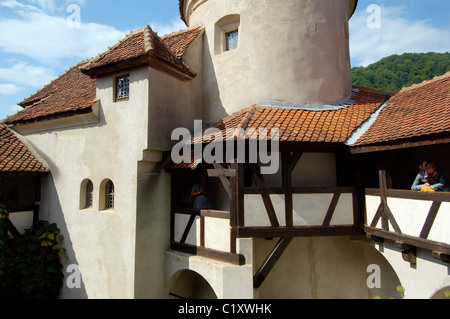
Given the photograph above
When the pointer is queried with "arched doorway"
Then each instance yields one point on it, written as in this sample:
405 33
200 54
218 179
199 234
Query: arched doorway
444 293
187 284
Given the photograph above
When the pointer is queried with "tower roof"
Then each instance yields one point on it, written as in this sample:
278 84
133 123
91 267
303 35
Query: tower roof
353 3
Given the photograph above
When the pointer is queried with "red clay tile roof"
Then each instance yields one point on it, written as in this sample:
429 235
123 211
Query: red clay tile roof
179 42
137 47
416 111
298 125
15 157
72 93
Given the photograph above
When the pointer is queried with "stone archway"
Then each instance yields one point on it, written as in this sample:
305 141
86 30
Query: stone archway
443 293
188 284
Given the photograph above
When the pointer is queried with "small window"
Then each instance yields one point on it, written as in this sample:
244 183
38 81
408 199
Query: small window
232 40
109 193
123 87
87 194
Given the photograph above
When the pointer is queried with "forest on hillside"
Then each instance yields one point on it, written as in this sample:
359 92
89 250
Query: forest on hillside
393 73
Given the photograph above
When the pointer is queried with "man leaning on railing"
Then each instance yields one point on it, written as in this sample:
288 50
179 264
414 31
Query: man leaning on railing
430 179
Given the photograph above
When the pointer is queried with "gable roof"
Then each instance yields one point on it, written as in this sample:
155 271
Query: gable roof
140 47
417 111
70 94
74 92
15 157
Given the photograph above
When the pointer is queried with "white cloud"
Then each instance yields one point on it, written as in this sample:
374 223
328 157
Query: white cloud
8 89
24 74
47 38
167 28
397 35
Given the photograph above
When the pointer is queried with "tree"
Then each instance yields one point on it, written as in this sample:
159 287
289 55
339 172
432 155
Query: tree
393 73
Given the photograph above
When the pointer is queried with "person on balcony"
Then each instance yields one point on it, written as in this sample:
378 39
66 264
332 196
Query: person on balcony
203 194
429 179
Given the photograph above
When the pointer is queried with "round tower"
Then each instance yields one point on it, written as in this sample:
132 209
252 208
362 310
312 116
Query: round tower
293 51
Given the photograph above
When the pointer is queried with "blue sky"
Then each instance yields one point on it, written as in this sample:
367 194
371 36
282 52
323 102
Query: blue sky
37 44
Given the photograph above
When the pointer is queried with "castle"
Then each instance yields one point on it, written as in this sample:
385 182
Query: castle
101 139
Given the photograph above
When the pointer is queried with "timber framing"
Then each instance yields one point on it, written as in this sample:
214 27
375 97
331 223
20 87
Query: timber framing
407 243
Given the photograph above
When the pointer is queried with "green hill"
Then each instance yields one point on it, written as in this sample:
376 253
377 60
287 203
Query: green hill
397 71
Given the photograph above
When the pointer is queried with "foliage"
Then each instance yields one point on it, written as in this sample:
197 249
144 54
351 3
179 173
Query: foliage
30 266
393 73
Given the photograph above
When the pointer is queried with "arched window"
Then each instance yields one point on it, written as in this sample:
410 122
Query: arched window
109 195
227 34
86 194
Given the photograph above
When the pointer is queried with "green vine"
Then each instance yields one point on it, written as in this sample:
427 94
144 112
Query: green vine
30 266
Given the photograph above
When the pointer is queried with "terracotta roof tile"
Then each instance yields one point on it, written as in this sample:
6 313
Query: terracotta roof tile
298 125
295 125
179 42
15 157
71 93
420 110
140 44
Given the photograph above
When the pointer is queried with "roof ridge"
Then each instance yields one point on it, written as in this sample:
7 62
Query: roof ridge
148 34
110 48
426 82
175 33
373 90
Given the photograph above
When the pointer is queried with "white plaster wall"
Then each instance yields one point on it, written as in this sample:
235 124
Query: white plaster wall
309 210
420 281
174 103
411 216
228 281
324 268
217 232
294 51
312 170
102 243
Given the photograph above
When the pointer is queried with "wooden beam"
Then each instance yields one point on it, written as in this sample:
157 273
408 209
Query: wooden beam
441 256
188 229
232 258
222 173
409 240
408 194
430 219
409 252
270 262
286 161
300 231
331 209
295 159
386 214
265 195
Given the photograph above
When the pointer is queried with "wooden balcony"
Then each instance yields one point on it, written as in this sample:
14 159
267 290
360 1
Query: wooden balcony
412 219
204 233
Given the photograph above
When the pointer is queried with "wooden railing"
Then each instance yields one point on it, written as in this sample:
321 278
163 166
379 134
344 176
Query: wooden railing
409 218
320 211
204 233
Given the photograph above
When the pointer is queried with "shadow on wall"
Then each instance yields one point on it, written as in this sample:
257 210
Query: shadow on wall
51 211
187 284
211 93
